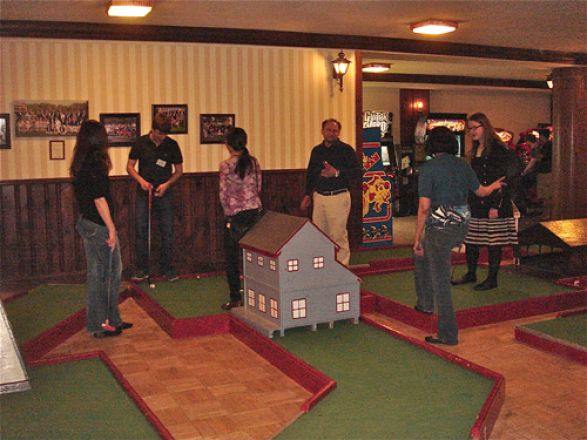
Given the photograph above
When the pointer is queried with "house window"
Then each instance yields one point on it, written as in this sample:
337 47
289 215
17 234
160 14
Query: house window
249 257
318 262
298 308
272 265
251 297
293 265
274 309
343 302
260 261
262 306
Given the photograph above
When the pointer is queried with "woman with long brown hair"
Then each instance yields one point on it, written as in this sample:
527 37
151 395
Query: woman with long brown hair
492 218
89 170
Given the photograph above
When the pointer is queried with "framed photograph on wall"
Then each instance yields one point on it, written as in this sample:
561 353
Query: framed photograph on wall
49 118
5 131
123 128
178 115
56 150
213 127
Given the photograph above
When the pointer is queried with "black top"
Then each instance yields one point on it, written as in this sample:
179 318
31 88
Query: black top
342 157
155 161
489 167
89 185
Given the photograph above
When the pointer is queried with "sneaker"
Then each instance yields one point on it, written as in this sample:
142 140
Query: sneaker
139 276
171 276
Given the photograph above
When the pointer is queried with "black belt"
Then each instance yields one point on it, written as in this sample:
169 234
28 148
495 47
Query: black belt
332 193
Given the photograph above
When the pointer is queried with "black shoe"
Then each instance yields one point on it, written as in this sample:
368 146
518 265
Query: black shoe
421 310
435 340
231 304
107 333
488 284
467 278
124 326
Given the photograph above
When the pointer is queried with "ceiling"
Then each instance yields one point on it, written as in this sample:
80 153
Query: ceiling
551 25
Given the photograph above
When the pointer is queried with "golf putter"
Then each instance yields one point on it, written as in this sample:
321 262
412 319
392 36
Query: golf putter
106 324
151 284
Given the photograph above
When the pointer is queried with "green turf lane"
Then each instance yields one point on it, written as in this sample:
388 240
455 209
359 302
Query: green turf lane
43 307
569 328
386 388
190 298
365 257
73 400
399 287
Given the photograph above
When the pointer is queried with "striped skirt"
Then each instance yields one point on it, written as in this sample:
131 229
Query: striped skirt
492 231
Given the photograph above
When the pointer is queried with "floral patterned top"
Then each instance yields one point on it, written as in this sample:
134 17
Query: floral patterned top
238 194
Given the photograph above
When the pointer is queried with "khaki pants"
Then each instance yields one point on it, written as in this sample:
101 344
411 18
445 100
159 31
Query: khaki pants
331 214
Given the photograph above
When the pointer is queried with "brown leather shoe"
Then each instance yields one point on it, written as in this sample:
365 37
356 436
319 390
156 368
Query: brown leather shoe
231 304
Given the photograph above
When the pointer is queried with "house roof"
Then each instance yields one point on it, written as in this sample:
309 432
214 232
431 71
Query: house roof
272 232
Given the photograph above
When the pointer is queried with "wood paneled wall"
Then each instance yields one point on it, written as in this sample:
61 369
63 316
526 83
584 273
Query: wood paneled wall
37 223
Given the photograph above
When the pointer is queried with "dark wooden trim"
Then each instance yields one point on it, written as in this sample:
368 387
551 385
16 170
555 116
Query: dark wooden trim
108 31
456 80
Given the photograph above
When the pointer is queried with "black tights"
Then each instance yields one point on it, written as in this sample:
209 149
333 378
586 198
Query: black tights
472 253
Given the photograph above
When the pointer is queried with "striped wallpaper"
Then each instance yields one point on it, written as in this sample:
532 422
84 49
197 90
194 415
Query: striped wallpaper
279 96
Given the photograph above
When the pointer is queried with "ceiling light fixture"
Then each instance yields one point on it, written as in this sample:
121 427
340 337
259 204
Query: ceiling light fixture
130 8
376 67
434 27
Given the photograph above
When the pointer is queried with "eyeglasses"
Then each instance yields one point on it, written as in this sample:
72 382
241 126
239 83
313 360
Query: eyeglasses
474 127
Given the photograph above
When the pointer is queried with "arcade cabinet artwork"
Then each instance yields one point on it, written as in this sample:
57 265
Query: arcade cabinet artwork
377 205
456 122
292 278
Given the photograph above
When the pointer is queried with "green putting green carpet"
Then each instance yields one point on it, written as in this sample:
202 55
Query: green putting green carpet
365 257
73 400
190 298
569 328
43 307
386 388
399 287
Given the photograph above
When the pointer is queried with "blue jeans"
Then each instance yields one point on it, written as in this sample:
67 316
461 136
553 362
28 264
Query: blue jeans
162 208
432 276
104 268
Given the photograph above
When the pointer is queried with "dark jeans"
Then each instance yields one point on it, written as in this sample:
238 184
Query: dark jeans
433 273
104 269
232 251
162 208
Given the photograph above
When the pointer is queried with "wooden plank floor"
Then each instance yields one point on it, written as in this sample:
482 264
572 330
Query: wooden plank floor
211 387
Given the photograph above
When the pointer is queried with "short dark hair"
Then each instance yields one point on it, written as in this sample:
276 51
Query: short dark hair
441 140
326 121
161 122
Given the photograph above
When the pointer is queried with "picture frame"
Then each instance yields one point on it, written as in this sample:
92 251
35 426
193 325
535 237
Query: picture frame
49 118
5 143
56 150
123 128
214 126
177 113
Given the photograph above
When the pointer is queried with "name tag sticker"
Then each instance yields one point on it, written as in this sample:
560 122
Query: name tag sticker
160 163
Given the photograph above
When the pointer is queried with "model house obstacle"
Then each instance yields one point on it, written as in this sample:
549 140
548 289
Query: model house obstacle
292 277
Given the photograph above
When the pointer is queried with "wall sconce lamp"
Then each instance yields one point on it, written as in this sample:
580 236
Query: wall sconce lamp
340 66
418 105
130 8
549 82
434 27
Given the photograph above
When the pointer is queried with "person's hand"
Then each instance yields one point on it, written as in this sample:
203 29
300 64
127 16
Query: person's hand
418 249
146 186
493 213
498 184
305 203
161 189
328 170
111 241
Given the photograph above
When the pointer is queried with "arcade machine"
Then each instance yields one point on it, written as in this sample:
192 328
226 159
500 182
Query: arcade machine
456 122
